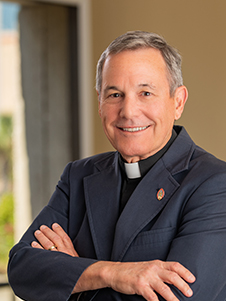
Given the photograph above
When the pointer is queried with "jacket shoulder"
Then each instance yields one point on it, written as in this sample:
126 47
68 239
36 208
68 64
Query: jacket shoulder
89 165
208 161
184 154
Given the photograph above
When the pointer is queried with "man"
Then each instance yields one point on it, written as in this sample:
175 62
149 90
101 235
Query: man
147 222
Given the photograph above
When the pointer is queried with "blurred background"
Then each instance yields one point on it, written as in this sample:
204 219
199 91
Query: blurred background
48 104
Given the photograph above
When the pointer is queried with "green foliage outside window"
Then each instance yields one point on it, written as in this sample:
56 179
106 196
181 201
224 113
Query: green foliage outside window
6 228
6 194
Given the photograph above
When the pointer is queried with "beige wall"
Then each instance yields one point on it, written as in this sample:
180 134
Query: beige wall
198 29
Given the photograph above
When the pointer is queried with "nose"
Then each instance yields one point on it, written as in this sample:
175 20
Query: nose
129 107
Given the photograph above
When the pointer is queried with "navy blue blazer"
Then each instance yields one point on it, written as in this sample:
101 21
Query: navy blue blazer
187 225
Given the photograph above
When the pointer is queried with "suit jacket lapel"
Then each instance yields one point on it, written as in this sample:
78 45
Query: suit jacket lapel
142 207
102 194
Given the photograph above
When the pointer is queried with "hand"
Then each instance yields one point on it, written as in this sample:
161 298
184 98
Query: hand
146 278
142 278
55 239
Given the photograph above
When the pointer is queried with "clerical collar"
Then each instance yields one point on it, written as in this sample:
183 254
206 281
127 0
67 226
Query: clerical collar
132 170
140 168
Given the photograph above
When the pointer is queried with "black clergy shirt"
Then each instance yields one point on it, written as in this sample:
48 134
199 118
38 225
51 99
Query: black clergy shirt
129 185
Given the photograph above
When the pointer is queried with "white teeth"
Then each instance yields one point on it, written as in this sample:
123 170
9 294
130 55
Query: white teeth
134 129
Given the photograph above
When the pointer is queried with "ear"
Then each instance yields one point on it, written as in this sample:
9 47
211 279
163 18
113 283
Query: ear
180 98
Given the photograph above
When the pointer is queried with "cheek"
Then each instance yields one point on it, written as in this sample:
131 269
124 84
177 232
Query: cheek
154 112
107 113
167 114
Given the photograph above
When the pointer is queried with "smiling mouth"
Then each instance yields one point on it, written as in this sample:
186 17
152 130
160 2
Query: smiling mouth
136 129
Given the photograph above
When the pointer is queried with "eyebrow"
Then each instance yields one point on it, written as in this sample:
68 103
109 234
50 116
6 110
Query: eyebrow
110 88
151 86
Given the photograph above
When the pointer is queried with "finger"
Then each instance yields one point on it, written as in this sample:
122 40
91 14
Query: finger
182 271
62 234
45 242
174 279
164 290
36 245
67 243
148 294
59 238
50 235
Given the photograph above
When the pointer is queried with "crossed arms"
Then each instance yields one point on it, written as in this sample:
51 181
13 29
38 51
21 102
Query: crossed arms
142 278
199 244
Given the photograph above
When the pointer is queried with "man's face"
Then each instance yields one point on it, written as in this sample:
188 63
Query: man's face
135 106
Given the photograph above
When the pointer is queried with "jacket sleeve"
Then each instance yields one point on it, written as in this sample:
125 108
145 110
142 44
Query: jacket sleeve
36 274
201 240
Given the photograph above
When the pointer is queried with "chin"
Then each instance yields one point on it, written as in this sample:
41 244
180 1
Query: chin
132 154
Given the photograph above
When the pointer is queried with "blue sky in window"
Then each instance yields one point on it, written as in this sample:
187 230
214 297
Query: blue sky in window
9 18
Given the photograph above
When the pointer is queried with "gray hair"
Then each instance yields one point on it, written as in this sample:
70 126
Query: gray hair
134 40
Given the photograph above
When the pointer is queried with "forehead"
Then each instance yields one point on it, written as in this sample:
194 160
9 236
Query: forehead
140 63
147 53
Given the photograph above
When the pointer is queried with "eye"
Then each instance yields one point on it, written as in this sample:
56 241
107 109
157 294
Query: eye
114 95
146 93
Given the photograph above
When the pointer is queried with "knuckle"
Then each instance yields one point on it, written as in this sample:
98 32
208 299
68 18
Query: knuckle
66 239
140 284
57 239
176 266
146 291
153 268
172 277
157 262
163 289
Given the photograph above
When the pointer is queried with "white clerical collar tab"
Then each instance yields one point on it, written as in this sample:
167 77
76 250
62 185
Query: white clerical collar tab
132 170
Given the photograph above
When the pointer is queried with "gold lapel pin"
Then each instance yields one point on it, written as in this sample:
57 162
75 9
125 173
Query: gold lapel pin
160 194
